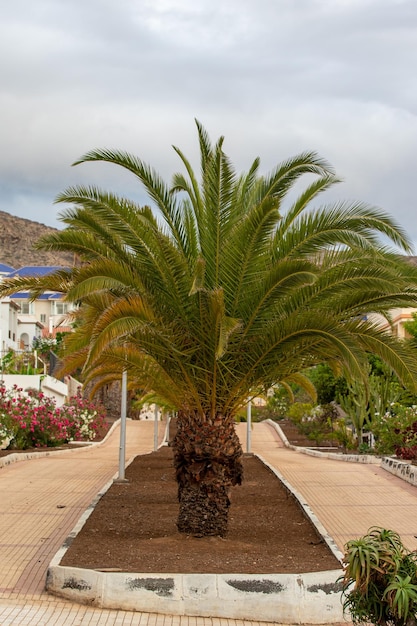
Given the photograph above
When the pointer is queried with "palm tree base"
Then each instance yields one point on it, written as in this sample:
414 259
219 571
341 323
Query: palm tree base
203 514
208 462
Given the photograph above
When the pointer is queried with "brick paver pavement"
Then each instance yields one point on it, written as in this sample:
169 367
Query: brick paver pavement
41 500
348 498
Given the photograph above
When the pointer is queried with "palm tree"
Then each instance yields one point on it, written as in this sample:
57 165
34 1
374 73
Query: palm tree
222 289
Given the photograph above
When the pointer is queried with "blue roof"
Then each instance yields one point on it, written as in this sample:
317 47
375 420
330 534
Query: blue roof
36 270
6 268
44 296
50 296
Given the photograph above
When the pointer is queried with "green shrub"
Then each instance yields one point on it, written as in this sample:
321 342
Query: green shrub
343 435
300 411
278 403
396 432
380 580
316 423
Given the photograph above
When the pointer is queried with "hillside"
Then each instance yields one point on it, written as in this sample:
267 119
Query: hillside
17 238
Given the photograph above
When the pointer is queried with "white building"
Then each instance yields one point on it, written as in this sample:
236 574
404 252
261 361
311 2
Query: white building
8 325
21 321
396 324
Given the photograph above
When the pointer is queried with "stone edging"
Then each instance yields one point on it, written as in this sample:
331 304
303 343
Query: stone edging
313 598
321 531
402 469
347 458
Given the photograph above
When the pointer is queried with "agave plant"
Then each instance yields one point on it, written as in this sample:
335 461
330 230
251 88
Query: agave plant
228 284
361 559
380 580
401 595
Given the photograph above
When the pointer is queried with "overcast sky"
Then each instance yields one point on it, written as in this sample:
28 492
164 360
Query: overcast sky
275 77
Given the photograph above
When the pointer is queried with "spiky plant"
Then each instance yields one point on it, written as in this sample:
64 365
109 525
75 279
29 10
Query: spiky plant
380 580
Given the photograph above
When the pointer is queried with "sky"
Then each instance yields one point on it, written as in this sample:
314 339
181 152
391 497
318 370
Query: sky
275 77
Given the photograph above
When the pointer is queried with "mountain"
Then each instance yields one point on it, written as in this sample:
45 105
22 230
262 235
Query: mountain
17 239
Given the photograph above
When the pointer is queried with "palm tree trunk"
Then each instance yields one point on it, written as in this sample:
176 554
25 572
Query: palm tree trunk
208 461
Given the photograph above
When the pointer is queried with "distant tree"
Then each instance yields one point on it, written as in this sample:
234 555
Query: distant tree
328 386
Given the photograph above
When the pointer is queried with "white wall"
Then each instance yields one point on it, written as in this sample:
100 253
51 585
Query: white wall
8 325
51 387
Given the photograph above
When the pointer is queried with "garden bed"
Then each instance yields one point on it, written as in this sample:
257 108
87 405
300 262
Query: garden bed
133 527
273 565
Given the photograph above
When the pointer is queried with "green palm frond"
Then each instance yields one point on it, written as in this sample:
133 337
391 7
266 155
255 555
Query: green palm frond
304 382
227 282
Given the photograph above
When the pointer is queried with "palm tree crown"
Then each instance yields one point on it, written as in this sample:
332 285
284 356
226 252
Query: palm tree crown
225 290
221 289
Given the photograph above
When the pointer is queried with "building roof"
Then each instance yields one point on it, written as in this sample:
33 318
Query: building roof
25 295
50 296
9 302
36 270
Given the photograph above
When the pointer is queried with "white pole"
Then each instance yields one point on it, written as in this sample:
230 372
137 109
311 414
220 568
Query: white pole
122 448
167 427
155 428
248 426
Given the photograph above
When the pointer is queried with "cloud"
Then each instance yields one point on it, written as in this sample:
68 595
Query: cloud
275 77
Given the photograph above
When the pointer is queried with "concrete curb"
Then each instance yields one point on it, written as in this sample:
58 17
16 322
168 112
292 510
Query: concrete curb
347 458
402 469
313 598
397 467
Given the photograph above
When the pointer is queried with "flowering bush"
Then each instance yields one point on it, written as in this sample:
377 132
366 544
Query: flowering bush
30 419
396 432
85 418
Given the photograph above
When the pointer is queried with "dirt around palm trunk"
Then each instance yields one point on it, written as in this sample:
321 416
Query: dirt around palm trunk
133 527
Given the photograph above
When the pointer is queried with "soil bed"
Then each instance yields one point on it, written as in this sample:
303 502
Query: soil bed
132 528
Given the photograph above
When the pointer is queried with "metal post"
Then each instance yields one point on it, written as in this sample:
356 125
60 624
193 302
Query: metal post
167 427
155 428
248 426
122 447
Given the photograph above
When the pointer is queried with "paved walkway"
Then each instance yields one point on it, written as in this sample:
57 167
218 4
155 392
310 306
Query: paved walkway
41 500
347 498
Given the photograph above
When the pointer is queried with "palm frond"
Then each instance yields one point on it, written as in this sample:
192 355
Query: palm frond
216 289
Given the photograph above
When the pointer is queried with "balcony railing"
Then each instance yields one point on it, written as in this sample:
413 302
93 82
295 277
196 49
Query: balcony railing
21 362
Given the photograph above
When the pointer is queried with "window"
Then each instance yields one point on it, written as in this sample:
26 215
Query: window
26 307
61 308
43 318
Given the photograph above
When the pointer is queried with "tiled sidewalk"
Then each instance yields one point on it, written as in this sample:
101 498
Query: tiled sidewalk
348 498
51 612
41 500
